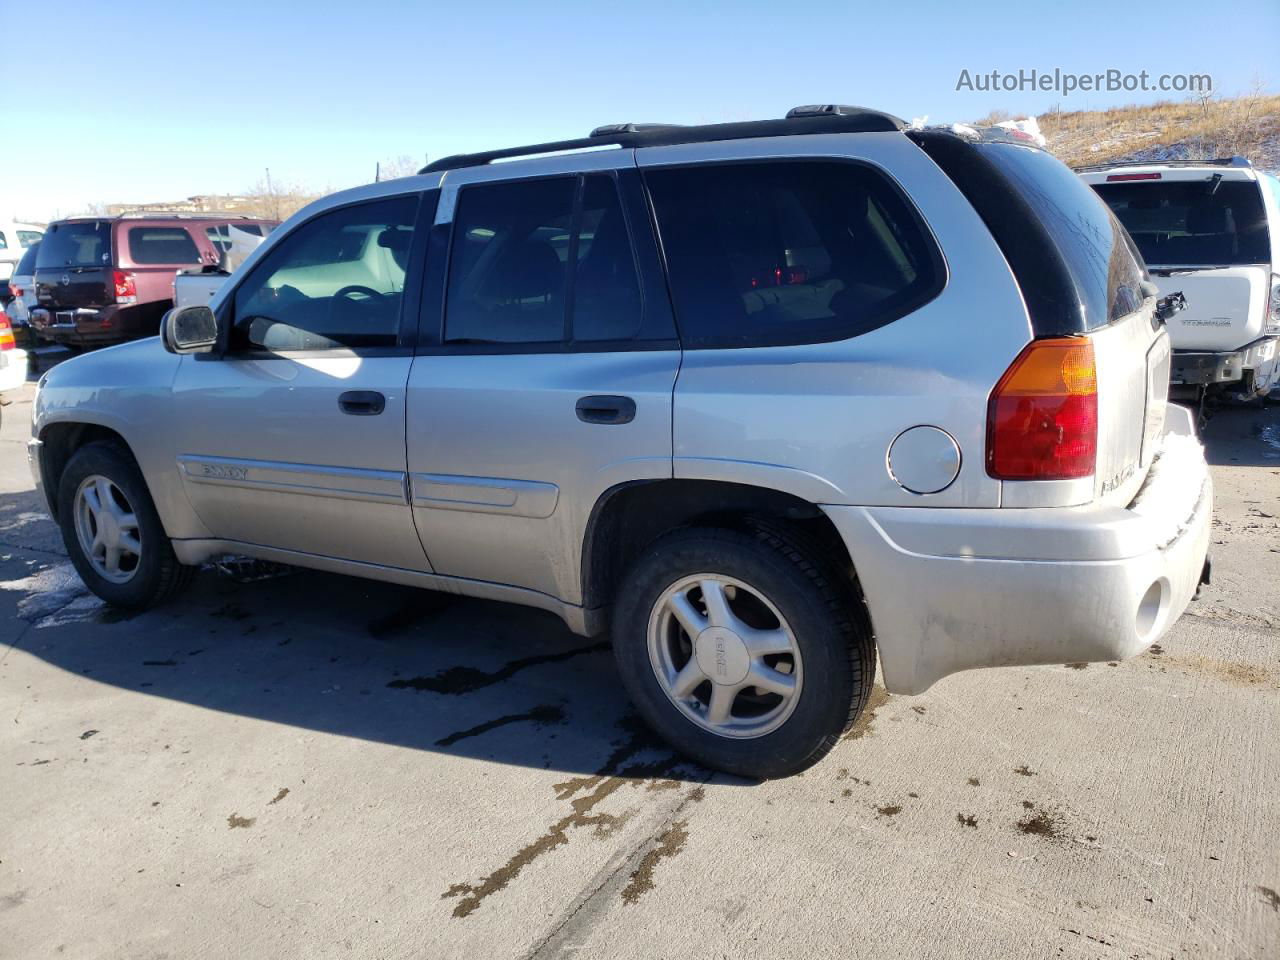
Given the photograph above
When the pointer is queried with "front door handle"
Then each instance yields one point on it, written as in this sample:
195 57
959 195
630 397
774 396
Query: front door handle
606 409
362 403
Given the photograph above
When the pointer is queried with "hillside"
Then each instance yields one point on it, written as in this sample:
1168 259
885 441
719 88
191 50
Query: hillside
1246 126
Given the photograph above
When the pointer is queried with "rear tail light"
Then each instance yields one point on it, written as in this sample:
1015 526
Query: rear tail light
6 333
16 291
1042 420
126 289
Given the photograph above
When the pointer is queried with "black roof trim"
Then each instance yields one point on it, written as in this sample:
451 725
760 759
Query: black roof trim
1216 162
629 135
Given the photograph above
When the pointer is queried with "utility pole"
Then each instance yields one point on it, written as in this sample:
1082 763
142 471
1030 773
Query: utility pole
377 172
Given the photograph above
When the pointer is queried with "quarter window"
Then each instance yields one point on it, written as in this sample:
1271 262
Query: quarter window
781 252
542 261
336 281
162 245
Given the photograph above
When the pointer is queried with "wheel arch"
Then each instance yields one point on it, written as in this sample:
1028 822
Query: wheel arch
59 442
629 516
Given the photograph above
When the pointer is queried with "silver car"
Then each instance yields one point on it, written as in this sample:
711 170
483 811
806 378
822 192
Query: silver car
766 400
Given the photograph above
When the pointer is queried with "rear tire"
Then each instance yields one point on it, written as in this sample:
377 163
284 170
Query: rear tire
742 606
112 532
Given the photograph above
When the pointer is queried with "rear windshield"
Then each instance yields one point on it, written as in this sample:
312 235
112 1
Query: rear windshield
27 265
162 245
1097 255
1192 223
83 244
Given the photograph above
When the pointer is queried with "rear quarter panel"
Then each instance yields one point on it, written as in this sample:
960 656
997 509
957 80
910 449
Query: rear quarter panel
817 420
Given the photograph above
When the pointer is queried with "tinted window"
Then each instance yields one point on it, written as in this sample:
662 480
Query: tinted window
507 275
162 245
80 244
766 253
1190 223
27 237
606 290
335 281
1098 257
27 265
4 244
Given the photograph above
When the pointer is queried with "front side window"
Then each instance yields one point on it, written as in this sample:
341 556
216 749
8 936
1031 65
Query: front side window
788 252
27 265
162 245
542 261
336 281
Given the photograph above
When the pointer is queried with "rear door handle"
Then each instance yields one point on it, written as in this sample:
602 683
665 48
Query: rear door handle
604 408
362 403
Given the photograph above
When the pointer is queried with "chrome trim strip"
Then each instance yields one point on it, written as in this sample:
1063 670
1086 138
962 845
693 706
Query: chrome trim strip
516 498
343 483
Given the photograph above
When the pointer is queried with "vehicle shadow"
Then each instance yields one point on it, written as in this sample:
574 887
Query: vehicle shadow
350 657
1244 436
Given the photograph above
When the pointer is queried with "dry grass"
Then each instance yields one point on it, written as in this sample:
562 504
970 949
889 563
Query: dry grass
1247 126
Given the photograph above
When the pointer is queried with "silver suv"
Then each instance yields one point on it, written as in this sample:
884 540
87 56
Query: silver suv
766 399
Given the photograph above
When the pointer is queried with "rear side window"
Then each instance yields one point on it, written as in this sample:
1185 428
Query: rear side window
162 245
1097 257
220 236
542 262
789 252
80 244
4 243
27 265
1192 222
27 237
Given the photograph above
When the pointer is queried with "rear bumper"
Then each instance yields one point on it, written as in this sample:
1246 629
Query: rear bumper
1198 368
86 326
952 589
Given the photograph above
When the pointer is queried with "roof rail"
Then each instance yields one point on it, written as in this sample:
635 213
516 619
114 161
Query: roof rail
1215 162
185 215
824 118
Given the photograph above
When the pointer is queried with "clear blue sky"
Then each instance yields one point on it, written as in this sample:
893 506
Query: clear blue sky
134 101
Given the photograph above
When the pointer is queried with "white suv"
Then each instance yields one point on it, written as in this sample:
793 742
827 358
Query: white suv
1211 231
764 399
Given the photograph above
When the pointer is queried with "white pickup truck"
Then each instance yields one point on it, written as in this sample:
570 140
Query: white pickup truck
198 286
1209 229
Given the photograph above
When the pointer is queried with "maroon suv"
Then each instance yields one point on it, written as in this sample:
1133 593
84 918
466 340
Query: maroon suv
106 280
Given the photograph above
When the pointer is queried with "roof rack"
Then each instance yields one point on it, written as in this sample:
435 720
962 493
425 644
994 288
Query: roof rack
186 215
821 118
1216 162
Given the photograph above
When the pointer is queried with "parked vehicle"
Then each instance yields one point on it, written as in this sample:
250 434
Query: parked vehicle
766 398
234 246
13 359
102 281
15 237
1210 230
22 287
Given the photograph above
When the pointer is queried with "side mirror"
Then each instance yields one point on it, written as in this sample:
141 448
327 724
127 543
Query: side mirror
192 329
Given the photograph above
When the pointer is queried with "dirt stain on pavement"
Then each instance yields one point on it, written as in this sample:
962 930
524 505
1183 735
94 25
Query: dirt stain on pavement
410 615
1024 771
1042 823
670 843
967 820
1076 666
459 680
89 733
889 810
538 716
1271 898
1238 674
284 792
235 821
862 726
584 795
974 782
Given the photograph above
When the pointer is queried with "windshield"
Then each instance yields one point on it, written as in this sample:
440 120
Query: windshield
79 244
1192 223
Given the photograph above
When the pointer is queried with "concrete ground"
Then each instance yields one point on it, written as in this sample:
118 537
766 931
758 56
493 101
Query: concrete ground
310 766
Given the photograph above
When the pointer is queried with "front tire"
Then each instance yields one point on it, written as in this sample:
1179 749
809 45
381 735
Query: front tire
112 532
746 651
